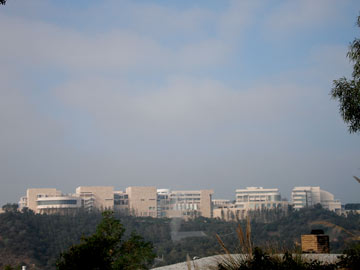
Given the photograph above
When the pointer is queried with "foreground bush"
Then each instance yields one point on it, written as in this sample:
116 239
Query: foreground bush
106 250
260 260
351 258
256 259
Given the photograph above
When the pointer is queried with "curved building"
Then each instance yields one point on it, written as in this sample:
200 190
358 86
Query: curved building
310 196
57 204
328 201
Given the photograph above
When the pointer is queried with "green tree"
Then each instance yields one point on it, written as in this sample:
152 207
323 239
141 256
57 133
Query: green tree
347 91
10 207
106 250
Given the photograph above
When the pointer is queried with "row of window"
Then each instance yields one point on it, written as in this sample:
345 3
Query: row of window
186 206
121 202
256 191
173 201
185 194
184 199
246 198
57 202
118 196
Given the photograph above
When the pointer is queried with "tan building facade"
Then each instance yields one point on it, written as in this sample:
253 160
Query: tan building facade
184 203
142 201
96 197
228 212
64 204
137 201
32 194
121 202
249 199
315 243
49 201
206 203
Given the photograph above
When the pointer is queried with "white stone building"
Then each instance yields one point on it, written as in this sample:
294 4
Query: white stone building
308 196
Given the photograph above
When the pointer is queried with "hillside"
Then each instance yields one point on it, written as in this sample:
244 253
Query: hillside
38 239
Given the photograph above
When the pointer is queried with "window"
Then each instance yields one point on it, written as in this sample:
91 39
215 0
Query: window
54 202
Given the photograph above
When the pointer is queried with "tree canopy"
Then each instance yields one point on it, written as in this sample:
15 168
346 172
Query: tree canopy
31 239
10 207
106 250
347 91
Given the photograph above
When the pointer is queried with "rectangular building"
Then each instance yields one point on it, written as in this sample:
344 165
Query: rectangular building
185 203
96 197
305 196
259 198
121 201
249 199
49 201
32 194
142 201
137 201
315 243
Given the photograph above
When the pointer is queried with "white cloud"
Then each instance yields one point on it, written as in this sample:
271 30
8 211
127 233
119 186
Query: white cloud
184 105
155 38
39 44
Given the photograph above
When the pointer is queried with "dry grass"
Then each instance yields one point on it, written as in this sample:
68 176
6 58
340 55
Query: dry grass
245 247
189 265
268 257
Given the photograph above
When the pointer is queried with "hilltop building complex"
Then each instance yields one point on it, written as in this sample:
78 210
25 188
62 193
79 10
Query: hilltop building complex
148 201
137 201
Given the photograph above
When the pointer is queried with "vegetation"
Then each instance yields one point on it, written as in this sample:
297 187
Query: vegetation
351 258
37 240
106 249
347 91
246 258
10 207
261 260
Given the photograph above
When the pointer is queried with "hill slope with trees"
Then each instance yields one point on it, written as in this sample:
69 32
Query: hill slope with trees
31 239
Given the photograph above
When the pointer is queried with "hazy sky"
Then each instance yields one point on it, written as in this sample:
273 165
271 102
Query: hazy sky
176 94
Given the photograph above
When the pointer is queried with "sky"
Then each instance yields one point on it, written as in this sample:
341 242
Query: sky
183 95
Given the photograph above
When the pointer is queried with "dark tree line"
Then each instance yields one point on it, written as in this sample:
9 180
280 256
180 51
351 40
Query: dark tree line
107 250
39 239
